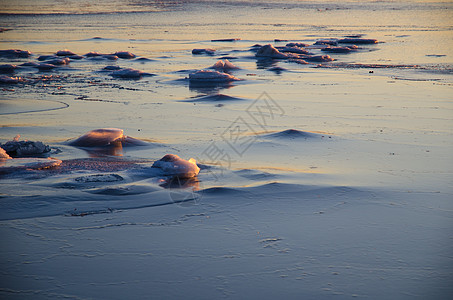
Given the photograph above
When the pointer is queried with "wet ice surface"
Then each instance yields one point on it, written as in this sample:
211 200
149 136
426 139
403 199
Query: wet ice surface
334 183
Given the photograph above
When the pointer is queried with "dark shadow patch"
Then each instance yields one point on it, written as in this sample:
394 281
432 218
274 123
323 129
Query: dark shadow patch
294 134
213 98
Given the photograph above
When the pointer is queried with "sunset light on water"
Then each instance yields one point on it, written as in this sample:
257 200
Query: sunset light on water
226 149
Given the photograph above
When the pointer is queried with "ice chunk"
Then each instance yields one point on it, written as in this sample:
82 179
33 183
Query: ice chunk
301 45
15 53
3 154
65 52
293 49
224 65
124 54
271 52
327 42
16 148
319 58
46 57
58 61
203 51
293 134
214 98
106 137
76 57
299 61
100 56
45 67
8 68
129 73
93 54
211 76
99 137
357 41
112 68
173 165
255 47
29 64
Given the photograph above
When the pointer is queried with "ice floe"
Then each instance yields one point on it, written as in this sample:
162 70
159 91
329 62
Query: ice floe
144 59
3 154
340 49
76 57
100 56
94 54
318 58
203 51
105 137
65 52
7 68
293 49
270 51
16 148
29 64
111 68
228 57
294 134
129 73
301 45
46 57
14 156
327 42
211 76
45 67
298 61
124 54
224 65
357 41
214 98
15 53
173 165
58 61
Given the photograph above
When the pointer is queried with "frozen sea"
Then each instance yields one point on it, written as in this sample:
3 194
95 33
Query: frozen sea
319 180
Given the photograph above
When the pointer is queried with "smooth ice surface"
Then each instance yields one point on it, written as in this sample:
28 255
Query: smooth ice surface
319 178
